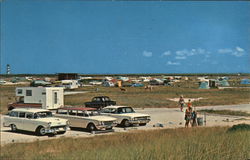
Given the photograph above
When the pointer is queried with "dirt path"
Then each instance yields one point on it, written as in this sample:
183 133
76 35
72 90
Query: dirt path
168 117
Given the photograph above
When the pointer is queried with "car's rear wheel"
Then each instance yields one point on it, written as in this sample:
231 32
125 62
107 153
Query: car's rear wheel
13 127
142 124
125 123
62 132
40 131
91 127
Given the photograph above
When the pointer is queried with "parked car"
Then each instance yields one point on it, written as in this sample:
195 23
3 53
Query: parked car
100 102
39 121
88 118
126 116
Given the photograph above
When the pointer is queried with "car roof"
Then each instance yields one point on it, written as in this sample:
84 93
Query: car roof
30 110
79 108
101 97
115 107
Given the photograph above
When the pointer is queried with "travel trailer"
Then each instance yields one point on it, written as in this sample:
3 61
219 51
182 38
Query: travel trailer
38 97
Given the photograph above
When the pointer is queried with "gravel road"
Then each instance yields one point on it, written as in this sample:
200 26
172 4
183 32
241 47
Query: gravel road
168 117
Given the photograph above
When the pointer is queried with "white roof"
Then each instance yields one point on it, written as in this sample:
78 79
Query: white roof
115 107
30 110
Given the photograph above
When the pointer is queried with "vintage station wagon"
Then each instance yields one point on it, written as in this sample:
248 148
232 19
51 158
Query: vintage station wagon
39 121
126 116
88 118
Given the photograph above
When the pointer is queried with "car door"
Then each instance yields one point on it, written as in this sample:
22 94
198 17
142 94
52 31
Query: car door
117 113
29 122
19 120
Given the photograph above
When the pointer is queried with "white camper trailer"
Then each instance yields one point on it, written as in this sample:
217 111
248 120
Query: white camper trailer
48 97
70 84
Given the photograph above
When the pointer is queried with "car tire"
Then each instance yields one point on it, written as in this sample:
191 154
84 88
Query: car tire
62 132
143 124
91 127
40 131
13 127
110 128
125 123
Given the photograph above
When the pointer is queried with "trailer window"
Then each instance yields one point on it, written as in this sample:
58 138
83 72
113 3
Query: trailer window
28 92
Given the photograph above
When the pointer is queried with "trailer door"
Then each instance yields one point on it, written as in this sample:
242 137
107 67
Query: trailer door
55 99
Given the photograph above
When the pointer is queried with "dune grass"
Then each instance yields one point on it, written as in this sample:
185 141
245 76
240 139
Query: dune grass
179 144
226 112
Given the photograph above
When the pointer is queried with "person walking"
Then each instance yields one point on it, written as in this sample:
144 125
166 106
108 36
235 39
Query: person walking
181 103
189 104
188 116
194 118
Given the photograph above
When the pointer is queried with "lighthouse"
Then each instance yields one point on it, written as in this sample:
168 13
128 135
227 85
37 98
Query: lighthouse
8 69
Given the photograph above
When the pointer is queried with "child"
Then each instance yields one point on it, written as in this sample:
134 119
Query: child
181 103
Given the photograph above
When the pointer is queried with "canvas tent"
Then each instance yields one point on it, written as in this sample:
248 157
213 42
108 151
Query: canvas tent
204 85
223 83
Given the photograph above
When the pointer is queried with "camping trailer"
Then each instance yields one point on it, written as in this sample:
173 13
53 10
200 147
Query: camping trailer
70 84
40 97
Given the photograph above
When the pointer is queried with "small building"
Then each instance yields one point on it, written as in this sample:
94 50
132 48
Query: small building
67 76
48 97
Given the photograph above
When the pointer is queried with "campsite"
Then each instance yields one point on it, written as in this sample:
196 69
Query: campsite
160 102
124 80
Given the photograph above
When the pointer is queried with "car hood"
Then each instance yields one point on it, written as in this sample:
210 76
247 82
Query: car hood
133 115
102 118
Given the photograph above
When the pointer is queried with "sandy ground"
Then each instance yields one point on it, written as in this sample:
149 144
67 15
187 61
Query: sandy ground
168 117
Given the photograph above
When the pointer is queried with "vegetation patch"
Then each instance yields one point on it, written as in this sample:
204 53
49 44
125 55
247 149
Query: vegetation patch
239 127
181 144
225 112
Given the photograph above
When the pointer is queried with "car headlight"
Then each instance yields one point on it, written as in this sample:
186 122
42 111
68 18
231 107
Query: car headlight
135 119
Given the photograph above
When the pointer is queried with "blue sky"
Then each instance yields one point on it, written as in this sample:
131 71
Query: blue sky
42 36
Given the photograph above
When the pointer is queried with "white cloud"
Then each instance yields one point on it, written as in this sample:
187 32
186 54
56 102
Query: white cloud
240 49
167 53
147 54
237 52
191 52
182 52
173 63
225 50
180 57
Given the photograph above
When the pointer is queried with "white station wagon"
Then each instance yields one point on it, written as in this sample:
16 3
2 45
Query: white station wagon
126 116
88 118
39 121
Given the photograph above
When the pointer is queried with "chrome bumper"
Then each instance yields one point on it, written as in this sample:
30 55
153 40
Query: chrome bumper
139 121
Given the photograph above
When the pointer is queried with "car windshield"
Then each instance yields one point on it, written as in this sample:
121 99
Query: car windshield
92 113
42 114
125 110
